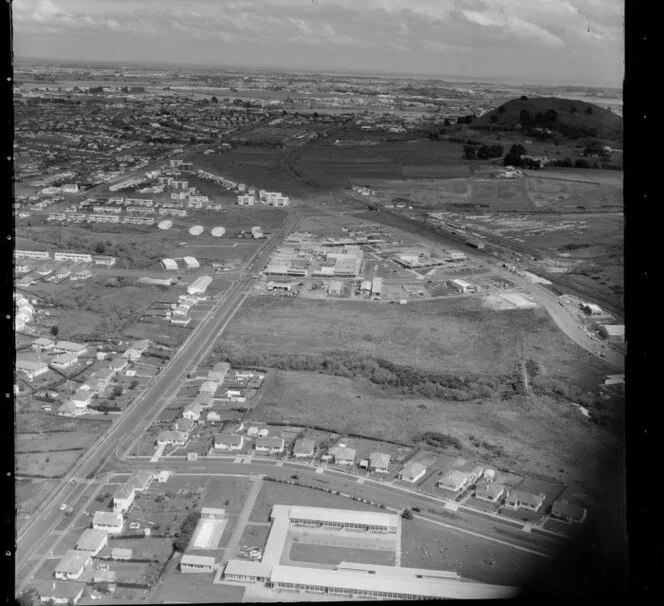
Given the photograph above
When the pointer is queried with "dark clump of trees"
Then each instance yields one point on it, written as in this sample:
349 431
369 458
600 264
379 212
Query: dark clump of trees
466 119
183 537
513 156
439 440
483 152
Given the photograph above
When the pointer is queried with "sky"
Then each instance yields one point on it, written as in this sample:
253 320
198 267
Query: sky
529 41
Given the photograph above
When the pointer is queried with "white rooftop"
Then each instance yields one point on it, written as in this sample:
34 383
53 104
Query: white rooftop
325 514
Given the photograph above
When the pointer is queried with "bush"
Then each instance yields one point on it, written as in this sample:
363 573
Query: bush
407 514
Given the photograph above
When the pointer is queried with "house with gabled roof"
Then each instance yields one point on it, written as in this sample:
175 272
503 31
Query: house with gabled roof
304 448
379 462
489 491
412 472
270 445
568 512
521 499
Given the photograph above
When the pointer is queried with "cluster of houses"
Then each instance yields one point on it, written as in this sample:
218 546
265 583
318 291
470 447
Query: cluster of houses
199 409
482 484
24 311
66 354
78 563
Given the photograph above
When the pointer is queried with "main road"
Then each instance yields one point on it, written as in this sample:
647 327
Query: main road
141 412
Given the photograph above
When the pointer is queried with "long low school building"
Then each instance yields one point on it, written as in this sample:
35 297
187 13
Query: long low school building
342 518
382 586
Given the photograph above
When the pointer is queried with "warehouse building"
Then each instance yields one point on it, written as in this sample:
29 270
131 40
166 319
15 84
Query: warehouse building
199 285
191 262
461 286
169 264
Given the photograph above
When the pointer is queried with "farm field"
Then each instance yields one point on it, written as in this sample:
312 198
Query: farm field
533 432
455 335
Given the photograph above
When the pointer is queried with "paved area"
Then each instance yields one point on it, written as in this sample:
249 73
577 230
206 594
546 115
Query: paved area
232 548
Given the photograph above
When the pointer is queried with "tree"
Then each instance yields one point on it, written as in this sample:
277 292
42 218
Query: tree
55 330
581 163
589 110
215 100
523 98
133 384
117 391
447 122
469 152
518 150
524 116
407 514
494 119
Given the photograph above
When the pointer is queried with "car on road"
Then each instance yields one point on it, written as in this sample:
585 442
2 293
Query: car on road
63 507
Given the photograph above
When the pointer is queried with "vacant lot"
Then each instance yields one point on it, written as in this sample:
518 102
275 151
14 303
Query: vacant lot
49 464
69 440
29 495
227 493
456 336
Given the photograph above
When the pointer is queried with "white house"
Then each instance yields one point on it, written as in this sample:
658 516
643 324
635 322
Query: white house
454 480
108 521
342 455
92 540
61 592
72 565
228 441
270 445
177 438
412 472
379 462
192 411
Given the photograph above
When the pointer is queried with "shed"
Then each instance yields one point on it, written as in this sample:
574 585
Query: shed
169 264
612 332
191 262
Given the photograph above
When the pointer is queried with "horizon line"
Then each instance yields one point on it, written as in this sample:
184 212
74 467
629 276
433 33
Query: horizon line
323 70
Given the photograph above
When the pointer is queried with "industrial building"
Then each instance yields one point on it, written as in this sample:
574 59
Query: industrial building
461 286
199 285
169 264
191 262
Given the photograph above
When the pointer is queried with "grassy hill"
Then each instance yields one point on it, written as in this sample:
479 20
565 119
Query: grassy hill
568 117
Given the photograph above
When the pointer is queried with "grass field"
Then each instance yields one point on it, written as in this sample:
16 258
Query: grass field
30 494
70 440
227 493
51 464
426 546
455 335
335 554
176 587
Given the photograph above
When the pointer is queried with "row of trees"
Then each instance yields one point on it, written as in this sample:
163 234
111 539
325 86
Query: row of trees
433 385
